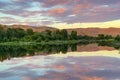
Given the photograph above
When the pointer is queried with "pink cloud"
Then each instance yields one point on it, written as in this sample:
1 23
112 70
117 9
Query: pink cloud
106 8
79 7
59 67
92 78
57 11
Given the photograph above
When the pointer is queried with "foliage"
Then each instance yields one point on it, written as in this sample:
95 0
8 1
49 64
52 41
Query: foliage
17 34
117 38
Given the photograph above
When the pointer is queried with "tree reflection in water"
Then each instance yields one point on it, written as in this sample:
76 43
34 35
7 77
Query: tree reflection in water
8 52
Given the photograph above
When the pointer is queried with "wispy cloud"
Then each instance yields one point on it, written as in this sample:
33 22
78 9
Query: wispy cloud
81 11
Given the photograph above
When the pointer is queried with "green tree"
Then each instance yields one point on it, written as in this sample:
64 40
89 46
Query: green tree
108 37
2 33
11 34
101 36
20 33
47 35
117 38
73 35
57 35
29 32
64 34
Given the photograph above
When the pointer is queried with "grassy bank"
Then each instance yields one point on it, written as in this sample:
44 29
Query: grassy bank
57 42
60 42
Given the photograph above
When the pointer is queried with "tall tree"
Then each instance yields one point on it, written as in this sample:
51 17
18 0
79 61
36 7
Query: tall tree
73 35
64 34
117 38
29 32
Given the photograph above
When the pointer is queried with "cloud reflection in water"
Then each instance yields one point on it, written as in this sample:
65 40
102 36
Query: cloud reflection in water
98 66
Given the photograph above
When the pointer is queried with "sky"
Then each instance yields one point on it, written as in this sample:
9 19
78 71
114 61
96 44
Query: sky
61 13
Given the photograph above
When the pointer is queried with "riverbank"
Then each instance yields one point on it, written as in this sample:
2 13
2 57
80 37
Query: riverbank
60 42
57 42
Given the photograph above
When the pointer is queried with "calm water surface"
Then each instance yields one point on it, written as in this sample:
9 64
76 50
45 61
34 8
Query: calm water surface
89 62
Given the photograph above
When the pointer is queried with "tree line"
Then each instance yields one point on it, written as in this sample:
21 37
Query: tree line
18 34
8 52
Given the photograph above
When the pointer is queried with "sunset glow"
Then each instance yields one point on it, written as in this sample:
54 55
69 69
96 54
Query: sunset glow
61 13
